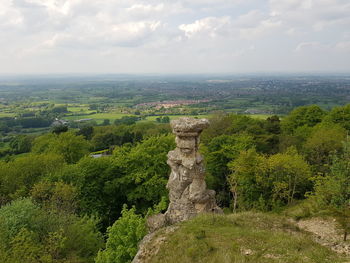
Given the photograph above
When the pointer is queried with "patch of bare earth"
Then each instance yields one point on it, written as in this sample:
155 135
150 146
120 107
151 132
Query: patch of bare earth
326 233
151 244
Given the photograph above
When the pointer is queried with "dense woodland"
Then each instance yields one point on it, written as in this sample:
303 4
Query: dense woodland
60 204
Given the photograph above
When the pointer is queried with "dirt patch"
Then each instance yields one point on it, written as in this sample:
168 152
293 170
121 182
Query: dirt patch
151 244
326 233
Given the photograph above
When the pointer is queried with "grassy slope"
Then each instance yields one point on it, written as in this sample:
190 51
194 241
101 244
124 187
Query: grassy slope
244 237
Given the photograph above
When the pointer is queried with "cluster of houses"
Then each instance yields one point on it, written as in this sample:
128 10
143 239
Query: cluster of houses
58 122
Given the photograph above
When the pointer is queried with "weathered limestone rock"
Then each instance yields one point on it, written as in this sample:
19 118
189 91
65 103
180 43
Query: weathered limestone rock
188 193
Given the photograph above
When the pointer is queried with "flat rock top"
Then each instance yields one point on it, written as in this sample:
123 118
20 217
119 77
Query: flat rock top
187 124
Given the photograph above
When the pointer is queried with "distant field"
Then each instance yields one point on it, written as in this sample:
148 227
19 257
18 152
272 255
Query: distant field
78 108
98 116
259 116
172 117
7 114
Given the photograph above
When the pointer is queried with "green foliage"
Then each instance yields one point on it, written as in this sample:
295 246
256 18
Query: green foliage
23 213
57 196
303 116
32 234
255 161
249 179
333 190
57 129
145 167
127 120
289 175
163 119
218 153
86 131
100 187
265 182
21 144
342 216
135 175
109 136
219 125
106 122
18 176
70 146
341 116
322 142
59 109
123 238
25 248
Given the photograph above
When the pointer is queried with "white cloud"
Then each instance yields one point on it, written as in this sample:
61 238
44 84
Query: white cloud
316 15
210 26
343 46
264 27
9 16
183 34
311 46
326 49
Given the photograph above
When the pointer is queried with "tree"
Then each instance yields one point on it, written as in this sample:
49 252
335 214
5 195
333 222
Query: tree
23 213
127 120
29 233
145 166
17 177
123 238
57 129
322 142
57 196
59 109
290 176
100 188
264 182
305 115
70 146
106 122
21 144
86 131
341 116
249 180
332 192
218 153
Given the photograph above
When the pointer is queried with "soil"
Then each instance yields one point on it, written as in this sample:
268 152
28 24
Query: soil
326 233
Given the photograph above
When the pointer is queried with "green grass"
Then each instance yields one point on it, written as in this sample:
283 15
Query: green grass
78 108
7 114
259 116
98 117
240 238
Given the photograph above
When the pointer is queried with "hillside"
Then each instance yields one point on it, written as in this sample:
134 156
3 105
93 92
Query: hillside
243 237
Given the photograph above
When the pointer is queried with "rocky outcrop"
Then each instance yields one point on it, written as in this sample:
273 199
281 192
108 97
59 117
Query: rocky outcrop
151 244
188 193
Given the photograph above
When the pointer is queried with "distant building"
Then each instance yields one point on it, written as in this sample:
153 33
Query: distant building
256 111
58 122
96 155
83 120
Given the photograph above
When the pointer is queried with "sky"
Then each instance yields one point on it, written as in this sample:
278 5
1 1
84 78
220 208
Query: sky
174 36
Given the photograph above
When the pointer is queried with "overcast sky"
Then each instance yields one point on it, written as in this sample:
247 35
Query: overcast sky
174 36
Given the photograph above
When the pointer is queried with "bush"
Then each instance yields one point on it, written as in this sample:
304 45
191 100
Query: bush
123 238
